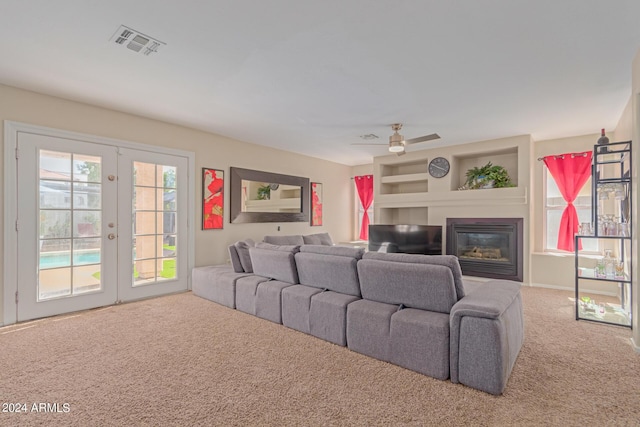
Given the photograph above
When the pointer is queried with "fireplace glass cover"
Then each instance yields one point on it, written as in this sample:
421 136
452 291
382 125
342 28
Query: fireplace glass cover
493 246
487 247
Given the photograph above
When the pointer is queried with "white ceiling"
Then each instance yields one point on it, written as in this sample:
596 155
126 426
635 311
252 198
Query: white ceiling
312 76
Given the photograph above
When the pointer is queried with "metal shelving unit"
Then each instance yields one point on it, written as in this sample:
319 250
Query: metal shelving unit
603 278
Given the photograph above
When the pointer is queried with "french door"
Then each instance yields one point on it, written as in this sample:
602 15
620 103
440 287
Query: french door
97 224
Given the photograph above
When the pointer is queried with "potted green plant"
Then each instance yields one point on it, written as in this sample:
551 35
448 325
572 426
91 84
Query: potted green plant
488 176
264 192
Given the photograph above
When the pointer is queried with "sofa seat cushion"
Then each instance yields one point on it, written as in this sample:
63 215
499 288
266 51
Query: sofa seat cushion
420 342
425 286
328 316
449 261
368 328
216 283
246 293
269 300
296 302
329 267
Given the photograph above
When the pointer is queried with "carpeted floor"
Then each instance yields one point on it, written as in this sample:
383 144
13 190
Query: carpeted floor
182 360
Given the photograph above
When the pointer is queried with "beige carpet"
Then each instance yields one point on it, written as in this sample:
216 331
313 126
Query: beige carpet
182 360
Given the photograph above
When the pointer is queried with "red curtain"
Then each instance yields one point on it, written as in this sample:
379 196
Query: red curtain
364 184
570 172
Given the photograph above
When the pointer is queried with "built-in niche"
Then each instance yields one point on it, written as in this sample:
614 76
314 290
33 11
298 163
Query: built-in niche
258 196
507 158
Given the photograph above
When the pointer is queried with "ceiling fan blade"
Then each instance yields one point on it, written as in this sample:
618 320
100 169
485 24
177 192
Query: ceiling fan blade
383 144
423 138
401 153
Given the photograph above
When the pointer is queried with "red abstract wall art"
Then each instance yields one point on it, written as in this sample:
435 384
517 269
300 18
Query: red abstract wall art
212 199
316 203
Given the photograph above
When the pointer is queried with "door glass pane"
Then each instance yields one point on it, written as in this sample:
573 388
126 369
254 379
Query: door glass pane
54 283
86 279
168 268
55 194
69 224
86 168
86 195
86 251
55 223
55 165
86 223
154 228
144 198
55 253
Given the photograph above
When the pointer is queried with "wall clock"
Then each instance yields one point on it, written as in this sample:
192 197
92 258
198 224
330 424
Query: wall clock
439 167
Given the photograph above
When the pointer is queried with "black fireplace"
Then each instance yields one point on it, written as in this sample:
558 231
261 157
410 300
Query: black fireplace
487 247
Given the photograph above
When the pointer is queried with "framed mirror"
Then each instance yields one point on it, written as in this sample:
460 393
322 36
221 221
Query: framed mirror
258 196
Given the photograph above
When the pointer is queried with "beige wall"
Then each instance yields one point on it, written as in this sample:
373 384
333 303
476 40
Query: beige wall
210 150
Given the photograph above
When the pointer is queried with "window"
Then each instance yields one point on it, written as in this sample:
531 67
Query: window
555 205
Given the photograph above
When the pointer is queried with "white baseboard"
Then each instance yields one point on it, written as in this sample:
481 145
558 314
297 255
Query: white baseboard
556 287
635 345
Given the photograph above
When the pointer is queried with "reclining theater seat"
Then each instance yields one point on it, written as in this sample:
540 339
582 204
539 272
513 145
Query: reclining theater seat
403 317
329 282
274 269
414 313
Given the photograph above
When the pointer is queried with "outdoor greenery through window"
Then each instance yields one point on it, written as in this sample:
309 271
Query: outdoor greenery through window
555 205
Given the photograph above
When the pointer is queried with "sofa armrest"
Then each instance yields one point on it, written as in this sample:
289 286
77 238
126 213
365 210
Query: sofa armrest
486 332
490 300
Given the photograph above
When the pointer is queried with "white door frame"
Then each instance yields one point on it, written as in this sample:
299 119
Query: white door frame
10 248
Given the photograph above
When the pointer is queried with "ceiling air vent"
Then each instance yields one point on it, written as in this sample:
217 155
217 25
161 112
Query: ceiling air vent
136 41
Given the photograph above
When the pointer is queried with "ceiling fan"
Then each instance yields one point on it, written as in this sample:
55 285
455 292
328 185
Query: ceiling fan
397 143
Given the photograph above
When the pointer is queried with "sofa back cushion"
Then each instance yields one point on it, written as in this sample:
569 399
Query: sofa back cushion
294 239
235 259
329 267
275 262
422 285
242 249
449 261
318 239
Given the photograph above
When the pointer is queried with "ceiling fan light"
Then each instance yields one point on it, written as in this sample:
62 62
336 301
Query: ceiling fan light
396 148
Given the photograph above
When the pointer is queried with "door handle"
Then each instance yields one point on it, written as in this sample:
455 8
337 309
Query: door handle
111 236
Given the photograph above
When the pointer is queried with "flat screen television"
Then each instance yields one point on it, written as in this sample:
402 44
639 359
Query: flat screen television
405 238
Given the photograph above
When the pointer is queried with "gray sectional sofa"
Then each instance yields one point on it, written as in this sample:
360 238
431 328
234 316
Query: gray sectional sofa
410 310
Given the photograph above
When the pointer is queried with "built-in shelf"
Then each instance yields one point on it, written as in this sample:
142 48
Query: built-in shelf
405 191
399 179
490 196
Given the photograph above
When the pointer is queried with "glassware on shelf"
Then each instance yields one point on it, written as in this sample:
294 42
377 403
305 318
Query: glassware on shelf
609 264
624 229
599 269
586 229
619 272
